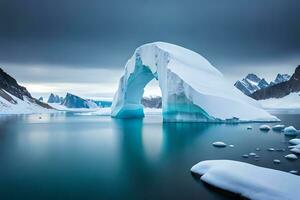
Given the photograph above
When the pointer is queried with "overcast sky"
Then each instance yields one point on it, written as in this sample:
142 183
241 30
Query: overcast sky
82 46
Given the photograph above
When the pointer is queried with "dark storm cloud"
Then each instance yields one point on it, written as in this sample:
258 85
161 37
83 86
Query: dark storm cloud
93 33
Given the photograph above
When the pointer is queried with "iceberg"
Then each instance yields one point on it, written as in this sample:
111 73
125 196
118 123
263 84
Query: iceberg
192 89
248 180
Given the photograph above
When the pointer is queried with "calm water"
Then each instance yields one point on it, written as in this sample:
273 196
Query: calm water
68 156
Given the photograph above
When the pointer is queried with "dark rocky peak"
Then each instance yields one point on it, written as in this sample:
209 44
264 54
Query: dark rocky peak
10 85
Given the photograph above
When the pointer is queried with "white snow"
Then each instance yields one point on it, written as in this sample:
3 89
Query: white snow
25 106
290 131
264 127
291 157
295 141
219 144
250 181
192 89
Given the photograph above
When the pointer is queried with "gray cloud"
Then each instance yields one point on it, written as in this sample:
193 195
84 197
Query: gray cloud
103 34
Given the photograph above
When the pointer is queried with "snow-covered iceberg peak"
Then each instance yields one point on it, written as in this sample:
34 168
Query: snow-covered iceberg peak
192 89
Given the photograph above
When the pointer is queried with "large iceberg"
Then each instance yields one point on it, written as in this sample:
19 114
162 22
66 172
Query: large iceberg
192 89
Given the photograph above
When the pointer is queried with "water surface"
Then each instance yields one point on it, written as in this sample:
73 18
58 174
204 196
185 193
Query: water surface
67 156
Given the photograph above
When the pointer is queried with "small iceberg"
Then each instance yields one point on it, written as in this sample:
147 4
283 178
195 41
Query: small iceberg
290 131
276 161
231 145
249 128
293 172
248 180
278 127
257 149
291 157
245 156
271 149
219 144
294 141
295 150
252 154
264 127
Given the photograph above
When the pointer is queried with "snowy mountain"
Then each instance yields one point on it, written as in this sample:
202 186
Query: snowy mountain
251 83
55 99
192 89
281 89
73 101
15 99
280 78
152 102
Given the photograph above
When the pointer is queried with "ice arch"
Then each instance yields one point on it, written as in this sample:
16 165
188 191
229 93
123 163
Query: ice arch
192 89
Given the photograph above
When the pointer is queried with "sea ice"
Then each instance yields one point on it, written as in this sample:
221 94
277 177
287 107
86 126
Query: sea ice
293 172
248 180
295 150
264 128
295 141
276 161
291 157
219 144
278 127
290 131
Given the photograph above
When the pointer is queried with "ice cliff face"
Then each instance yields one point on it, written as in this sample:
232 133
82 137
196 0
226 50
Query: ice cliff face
192 89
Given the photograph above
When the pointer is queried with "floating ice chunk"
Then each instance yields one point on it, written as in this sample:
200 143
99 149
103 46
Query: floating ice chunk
231 145
257 149
276 161
295 141
293 172
291 157
271 149
245 156
264 128
248 180
278 127
249 128
290 131
252 154
295 150
219 144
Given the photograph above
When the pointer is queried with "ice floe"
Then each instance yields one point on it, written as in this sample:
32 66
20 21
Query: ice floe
278 127
264 127
290 131
248 180
291 156
219 144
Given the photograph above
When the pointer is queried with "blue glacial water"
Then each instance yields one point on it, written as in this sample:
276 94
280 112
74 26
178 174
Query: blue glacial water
67 156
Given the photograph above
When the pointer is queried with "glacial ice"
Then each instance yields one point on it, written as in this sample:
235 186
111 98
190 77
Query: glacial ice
248 180
192 89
